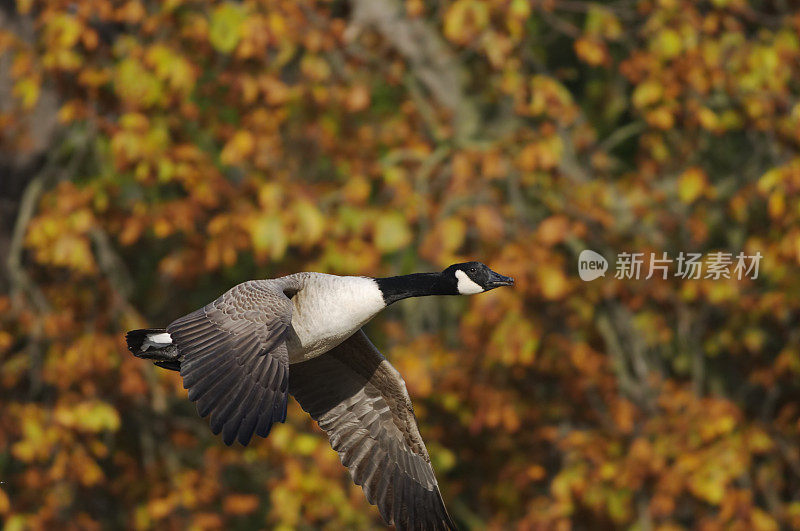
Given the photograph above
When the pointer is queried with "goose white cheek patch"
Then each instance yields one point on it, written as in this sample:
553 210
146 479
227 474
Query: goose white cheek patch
466 286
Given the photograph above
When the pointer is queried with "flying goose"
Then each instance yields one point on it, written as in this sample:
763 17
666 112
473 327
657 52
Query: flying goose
241 355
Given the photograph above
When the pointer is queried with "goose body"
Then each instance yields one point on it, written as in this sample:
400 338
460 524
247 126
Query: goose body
327 309
242 354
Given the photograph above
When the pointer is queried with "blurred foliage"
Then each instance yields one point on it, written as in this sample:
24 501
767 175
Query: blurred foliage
202 144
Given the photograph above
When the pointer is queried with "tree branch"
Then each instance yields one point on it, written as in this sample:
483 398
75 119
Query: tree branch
19 280
431 60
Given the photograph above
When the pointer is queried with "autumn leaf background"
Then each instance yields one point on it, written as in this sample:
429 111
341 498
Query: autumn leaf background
153 154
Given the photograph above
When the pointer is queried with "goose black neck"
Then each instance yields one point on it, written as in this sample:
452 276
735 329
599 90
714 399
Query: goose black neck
414 285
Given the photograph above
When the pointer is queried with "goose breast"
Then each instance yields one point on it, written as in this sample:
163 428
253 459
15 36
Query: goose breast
327 310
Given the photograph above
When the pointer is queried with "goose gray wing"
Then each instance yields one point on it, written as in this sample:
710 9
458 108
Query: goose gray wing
234 361
361 402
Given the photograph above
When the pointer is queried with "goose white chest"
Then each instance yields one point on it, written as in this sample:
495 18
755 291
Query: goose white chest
328 310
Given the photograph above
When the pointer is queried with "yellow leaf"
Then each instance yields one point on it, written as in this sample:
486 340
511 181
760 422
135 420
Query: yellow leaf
591 51
90 472
69 250
62 31
759 441
270 196
92 416
661 117
161 507
709 484
315 67
442 458
549 96
520 9
392 232
239 147
763 521
135 85
17 522
769 180
69 111
27 90
514 341
619 505
24 6
667 44
310 223
552 281
268 237
172 68
691 185
357 189
601 21
305 444
132 12
731 120
776 204
226 27
708 119
647 93
464 20
453 231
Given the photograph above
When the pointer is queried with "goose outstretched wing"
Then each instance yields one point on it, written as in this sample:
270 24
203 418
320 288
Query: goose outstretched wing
234 360
361 402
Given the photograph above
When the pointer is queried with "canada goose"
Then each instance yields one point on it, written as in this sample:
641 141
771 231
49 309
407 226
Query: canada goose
240 355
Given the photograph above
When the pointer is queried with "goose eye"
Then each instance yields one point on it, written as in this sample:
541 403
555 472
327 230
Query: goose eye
471 269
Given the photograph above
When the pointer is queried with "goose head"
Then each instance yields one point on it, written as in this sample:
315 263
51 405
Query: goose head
470 278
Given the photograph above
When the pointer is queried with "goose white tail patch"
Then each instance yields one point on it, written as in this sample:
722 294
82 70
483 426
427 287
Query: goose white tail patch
466 286
164 338
156 340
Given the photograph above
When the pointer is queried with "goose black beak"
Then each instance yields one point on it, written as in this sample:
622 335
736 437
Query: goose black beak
496 280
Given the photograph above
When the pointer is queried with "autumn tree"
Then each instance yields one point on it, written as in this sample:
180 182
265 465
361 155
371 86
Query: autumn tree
155 153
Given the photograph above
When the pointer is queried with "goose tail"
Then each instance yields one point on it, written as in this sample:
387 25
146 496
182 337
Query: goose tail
154 344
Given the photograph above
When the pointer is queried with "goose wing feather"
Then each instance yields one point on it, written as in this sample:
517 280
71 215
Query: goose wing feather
361 402
234 360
